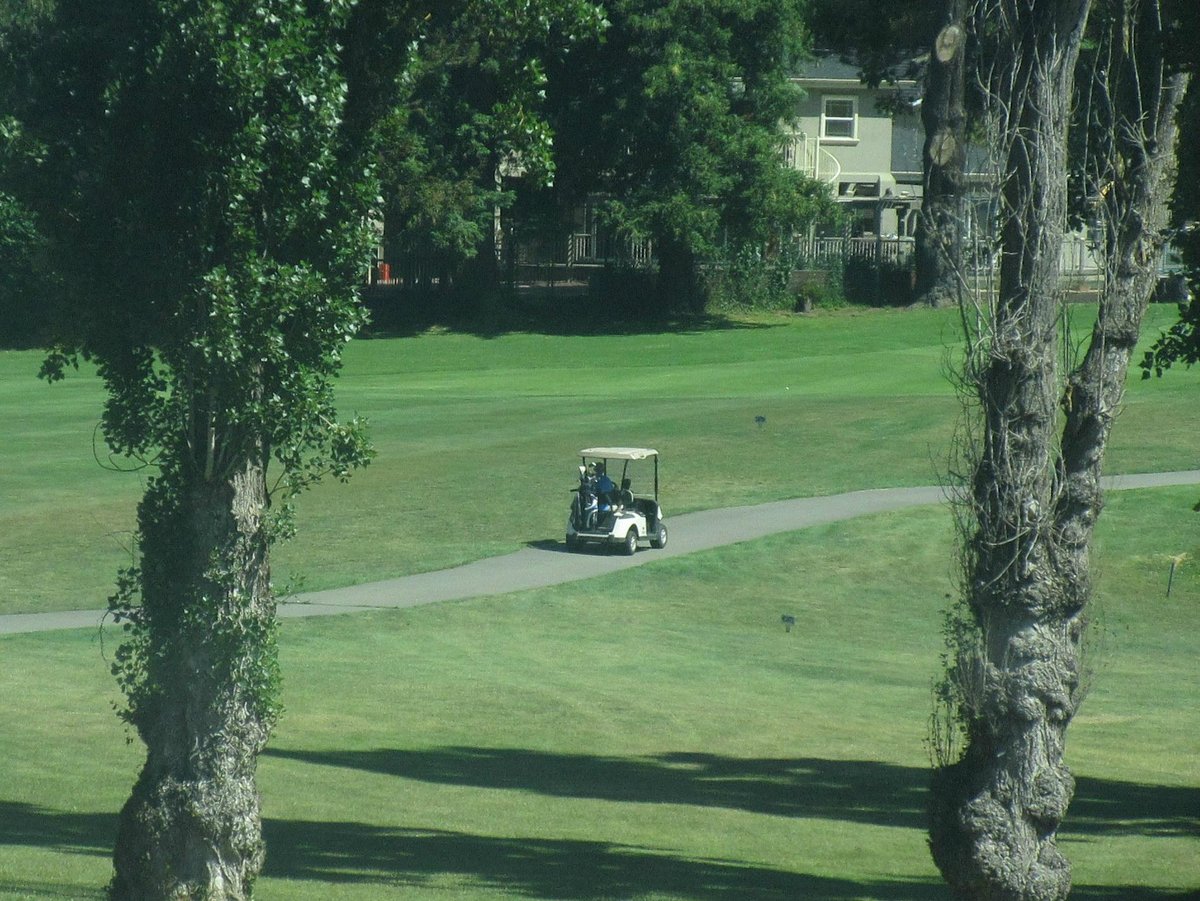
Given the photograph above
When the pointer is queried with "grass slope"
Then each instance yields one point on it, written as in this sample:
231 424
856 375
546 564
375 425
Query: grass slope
477 435
651 735
655 734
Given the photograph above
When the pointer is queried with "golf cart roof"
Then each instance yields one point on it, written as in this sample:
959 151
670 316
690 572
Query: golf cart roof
619 453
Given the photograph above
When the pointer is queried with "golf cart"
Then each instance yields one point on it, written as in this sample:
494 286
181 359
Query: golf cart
605 510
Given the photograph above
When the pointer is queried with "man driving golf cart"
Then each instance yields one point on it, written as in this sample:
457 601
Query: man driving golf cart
605 512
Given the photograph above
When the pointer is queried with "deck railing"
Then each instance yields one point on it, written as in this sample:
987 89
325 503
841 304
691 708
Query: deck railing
819 253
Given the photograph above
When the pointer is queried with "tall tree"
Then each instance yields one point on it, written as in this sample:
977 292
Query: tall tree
882 38
22 275
1015 678
461 85
674 116
22 250
1181 342
939 242
192 169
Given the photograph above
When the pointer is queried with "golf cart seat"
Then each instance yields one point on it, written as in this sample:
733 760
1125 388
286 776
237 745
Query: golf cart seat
625 495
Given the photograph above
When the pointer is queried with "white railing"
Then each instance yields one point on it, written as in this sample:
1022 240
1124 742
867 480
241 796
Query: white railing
1079 256
801 153
807 156
592 249
817 251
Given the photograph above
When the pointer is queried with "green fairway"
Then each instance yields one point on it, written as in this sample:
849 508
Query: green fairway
655 734
477 435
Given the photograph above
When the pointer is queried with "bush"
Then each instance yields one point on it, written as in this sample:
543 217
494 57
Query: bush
817 289
626 291
748 281
23 315
889 285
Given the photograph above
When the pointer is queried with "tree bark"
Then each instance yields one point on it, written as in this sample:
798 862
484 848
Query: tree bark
204 702
939 239
996 811
1134 188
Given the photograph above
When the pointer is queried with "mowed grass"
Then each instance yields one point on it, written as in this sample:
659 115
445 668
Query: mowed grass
477 436
654 734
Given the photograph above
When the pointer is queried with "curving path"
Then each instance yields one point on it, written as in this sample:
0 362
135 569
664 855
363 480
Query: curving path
548 563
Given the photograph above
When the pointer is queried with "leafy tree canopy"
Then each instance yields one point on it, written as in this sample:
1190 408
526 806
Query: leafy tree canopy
674 115
1181 343
188 160
882 37
461 85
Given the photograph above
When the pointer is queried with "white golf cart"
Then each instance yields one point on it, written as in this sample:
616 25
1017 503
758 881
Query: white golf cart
605 510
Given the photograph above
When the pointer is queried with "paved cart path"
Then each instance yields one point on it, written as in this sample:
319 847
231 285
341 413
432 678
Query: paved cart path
549 563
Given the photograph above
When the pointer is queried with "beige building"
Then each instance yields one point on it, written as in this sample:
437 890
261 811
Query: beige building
864 142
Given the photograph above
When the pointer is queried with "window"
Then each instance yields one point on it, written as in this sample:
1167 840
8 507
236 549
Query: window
839 119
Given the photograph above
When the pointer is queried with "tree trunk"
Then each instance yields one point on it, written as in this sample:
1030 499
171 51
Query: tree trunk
202 696
1134 185
996 811
678 284
939 240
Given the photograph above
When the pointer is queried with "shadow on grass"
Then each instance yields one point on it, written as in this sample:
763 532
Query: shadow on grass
1107 807
348 852
544 868
26 825
857 791
1130 893
394 315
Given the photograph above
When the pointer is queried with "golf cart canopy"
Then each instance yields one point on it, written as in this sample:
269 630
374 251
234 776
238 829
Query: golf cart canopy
619 453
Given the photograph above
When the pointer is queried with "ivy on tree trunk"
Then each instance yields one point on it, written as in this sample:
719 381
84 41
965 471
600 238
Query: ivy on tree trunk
193 158
201 685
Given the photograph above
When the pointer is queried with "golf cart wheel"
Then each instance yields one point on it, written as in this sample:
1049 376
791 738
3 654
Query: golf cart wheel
659 541
631 538
572 542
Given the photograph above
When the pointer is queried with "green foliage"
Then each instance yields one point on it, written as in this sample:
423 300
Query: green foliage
460 91
674 117
820 289
24 13
956 690
877 284
221 257
1181 342
170 618
884 37
747 281
191 169
1178 344
22 270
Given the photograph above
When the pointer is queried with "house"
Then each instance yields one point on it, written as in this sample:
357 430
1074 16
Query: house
864 142
867 144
